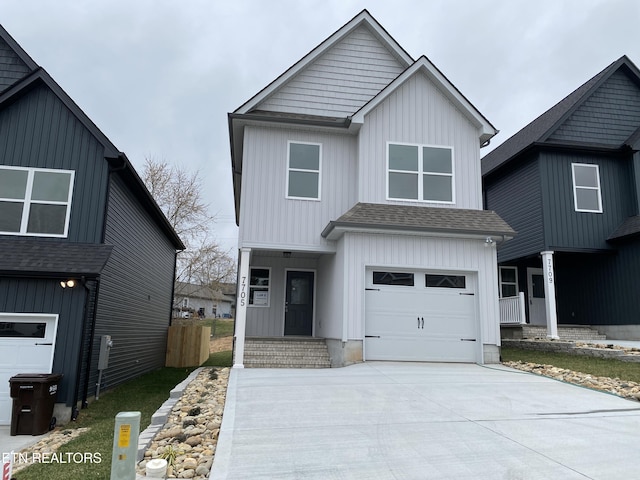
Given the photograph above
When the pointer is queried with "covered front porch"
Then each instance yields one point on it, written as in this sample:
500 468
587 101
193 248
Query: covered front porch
279 319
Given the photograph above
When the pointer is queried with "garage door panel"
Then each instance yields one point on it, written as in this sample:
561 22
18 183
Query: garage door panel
419 323
23 351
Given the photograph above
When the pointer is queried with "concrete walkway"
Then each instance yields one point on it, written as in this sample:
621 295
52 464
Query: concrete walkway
385 420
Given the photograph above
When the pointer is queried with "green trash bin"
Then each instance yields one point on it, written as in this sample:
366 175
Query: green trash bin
34 395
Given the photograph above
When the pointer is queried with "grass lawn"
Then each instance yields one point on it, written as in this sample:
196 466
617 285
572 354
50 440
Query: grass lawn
601 367
144 394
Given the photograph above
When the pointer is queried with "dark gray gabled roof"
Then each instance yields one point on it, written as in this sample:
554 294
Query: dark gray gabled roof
631 226
45 258
405 218
540 129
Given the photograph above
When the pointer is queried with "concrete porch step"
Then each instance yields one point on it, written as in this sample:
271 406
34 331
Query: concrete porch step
286 352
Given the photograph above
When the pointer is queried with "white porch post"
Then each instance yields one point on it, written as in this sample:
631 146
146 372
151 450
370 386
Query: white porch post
241 307
550 294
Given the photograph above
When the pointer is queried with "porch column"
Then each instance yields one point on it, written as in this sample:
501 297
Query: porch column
550 295
241 308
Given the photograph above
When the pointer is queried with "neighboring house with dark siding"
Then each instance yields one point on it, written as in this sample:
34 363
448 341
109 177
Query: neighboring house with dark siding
568 183
86 251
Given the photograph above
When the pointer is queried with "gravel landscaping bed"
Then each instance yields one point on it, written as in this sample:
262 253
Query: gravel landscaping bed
615 386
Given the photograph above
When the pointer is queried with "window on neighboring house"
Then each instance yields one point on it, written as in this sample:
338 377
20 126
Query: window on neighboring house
508 282
259 284
586 188
35 201
420 173
185 302
303 170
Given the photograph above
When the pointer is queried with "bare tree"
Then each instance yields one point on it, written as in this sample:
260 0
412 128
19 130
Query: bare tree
178 193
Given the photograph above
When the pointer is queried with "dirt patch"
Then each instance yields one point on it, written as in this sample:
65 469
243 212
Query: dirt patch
221 344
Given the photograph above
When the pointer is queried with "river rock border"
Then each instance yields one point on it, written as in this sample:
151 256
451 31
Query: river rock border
625 354
186 427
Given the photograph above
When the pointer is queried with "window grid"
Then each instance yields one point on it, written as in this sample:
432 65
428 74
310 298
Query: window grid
303 170
506 284
28 201
578 188
420 174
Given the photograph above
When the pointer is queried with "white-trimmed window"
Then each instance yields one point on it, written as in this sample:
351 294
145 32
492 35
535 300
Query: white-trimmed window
586 188
421 173
259 286
35 201
303 170
508 282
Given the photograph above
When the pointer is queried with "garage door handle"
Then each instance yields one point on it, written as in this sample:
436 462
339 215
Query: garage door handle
467 339
372 336
419 327
372 289
467 293
44 343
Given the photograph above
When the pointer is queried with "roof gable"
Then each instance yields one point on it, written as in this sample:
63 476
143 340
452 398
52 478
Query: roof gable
424 66
557 118
14 61
608 116
362 42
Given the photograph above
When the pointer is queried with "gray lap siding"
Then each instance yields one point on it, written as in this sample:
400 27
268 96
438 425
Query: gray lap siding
134 302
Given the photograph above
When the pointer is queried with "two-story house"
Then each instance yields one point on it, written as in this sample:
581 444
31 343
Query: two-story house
86 252
358 196
569 183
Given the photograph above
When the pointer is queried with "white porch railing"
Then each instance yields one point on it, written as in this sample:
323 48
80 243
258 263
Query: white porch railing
512 310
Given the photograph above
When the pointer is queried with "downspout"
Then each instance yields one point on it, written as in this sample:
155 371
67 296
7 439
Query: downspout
85 392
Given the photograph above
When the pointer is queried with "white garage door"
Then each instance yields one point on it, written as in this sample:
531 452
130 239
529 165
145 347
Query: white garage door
26 346
420 316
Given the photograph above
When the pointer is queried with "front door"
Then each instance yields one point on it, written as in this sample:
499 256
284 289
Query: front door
298 307
537 310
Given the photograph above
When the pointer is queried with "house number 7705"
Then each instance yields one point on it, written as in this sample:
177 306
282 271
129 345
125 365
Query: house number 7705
243 291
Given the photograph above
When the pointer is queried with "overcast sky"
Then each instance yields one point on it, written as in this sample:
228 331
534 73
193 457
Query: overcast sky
158 77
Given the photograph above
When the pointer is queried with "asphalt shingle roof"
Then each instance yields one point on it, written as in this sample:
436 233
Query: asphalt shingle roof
421 219
631 226
46 258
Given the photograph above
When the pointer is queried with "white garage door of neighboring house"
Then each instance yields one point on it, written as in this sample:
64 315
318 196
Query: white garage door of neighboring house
26 346
420 316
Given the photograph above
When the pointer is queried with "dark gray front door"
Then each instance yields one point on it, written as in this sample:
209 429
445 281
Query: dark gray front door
298 316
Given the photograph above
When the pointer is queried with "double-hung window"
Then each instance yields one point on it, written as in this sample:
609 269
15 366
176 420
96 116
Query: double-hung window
508 282
303 170
421 173
259 286
586 188
35 201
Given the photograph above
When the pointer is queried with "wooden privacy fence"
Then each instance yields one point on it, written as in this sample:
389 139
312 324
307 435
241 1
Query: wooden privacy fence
187 345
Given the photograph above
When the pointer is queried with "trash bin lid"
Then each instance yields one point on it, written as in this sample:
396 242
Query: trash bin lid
35 377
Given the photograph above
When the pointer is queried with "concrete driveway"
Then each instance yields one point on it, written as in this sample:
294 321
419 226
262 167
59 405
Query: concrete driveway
386 420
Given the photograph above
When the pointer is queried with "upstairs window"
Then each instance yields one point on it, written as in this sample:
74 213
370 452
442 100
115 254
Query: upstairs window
420 173
303 170
586 188
35 201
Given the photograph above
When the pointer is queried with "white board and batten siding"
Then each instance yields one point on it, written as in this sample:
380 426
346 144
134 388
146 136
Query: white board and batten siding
363 251
340 81
270 220
419 113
